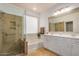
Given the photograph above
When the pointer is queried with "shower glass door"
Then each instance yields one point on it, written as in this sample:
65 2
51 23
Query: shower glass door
10 34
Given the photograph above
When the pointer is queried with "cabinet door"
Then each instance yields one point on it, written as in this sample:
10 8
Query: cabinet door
44 38
46 41
64 45
75 50
53 44
75 47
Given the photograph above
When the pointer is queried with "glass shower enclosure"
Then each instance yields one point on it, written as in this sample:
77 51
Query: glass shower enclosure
11 42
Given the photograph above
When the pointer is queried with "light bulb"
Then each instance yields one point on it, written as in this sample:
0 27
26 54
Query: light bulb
64 10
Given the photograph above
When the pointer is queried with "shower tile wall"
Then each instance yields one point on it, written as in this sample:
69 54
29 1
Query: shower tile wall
10 33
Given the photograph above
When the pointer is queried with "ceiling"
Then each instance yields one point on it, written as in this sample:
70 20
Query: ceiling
40 7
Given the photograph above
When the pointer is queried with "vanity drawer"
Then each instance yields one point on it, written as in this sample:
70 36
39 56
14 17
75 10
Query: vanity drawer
75 41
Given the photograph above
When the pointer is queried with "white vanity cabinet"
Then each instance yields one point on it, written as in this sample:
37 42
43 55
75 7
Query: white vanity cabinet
45 42
75 47
53 44
64 46
59 45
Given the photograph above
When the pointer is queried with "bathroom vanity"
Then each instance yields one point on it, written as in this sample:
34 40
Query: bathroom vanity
65 44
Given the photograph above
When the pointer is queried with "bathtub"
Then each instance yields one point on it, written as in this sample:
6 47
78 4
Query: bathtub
33 43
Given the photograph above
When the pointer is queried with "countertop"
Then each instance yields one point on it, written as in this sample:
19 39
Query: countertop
68 35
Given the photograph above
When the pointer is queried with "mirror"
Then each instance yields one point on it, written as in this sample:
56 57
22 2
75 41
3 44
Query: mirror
67 22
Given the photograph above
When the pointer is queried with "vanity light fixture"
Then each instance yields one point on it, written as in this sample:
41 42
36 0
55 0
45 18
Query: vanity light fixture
57 13
64 10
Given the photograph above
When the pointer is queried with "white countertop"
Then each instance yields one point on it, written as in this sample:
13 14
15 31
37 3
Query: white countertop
69 35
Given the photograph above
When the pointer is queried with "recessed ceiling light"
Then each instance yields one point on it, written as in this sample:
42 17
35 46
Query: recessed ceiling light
34 8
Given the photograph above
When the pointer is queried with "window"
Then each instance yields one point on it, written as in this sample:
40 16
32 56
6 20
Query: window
69 26
59 26
51 27
30 25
